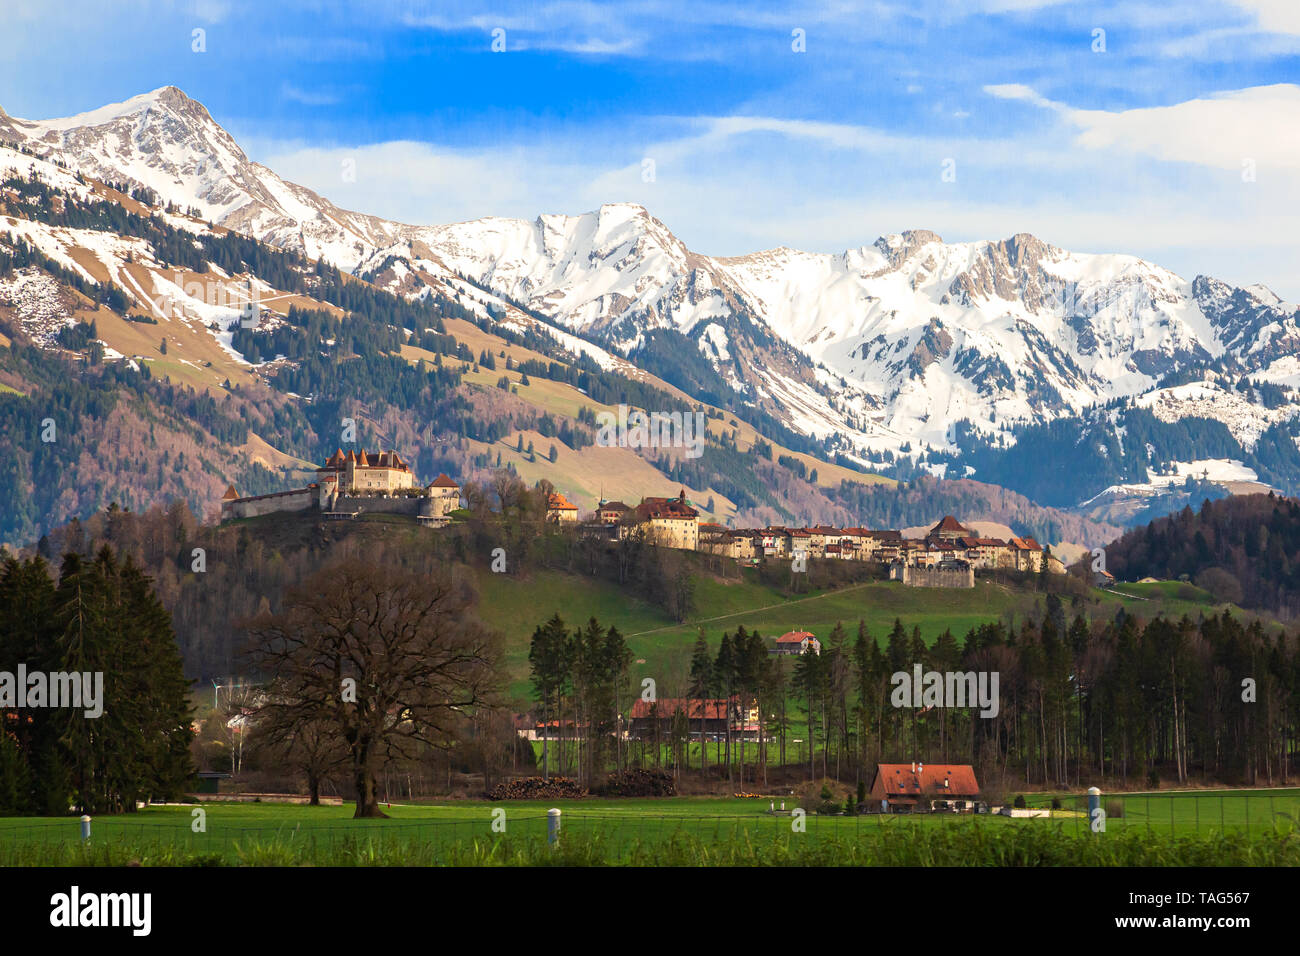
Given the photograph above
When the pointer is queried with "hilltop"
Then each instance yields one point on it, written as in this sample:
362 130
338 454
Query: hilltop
248 565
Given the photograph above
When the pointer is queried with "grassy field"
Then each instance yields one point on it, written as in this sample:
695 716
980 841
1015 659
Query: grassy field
1230 827
662 647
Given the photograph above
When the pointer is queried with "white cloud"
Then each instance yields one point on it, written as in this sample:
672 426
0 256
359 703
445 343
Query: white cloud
1018 91
1275 16
307 97
1261 124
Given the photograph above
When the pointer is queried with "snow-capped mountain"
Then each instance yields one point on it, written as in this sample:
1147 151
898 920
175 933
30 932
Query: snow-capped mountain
169 143
890 344
881 350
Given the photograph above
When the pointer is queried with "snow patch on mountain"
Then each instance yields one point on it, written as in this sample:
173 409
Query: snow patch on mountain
886 346
1245 420
1219 470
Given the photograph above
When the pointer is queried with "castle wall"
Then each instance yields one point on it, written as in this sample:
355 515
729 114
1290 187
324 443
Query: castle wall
937 577
299 499
402 505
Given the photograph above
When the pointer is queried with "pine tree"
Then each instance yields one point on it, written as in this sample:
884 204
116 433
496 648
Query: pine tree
701 685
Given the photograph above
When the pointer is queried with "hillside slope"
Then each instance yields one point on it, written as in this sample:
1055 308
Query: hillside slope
907 352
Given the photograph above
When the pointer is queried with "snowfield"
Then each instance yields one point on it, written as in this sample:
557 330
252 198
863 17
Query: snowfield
1219 470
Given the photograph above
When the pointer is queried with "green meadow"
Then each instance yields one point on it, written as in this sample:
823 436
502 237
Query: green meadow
1205 828
662 647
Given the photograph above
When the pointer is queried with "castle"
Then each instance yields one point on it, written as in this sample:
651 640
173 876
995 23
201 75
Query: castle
348 484
384 472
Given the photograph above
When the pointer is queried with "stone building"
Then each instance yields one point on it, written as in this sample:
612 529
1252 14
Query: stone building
383 473
560 510
670 522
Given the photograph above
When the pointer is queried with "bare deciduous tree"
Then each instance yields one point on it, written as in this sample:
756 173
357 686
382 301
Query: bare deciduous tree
384 659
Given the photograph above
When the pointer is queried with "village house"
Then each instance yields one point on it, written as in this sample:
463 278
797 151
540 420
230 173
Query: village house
986 553
1026 554
612 512
670 522
716 539
881 545
651 719
559 510
747 544
775 543
797 642
819 538
923 788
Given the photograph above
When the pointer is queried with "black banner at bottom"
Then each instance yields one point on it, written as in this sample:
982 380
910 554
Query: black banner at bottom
140 906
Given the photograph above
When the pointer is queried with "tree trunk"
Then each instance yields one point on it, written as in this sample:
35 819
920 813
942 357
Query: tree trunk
363 773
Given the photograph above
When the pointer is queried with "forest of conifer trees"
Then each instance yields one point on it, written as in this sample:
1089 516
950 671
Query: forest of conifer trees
99 615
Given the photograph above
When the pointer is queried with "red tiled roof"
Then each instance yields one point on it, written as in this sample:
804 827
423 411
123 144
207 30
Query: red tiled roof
557 502
949 524
665 508
909 780
231 494
442 481
794 637
380 459
708 709
1025 544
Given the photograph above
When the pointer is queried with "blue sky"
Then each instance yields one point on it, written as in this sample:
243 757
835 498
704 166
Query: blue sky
1173 135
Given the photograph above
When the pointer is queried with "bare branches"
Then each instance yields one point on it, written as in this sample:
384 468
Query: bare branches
388 660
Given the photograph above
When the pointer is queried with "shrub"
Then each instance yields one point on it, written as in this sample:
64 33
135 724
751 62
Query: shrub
1019 802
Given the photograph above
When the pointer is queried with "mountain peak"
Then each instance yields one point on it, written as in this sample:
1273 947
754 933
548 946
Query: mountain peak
622 211
170 99
899 248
